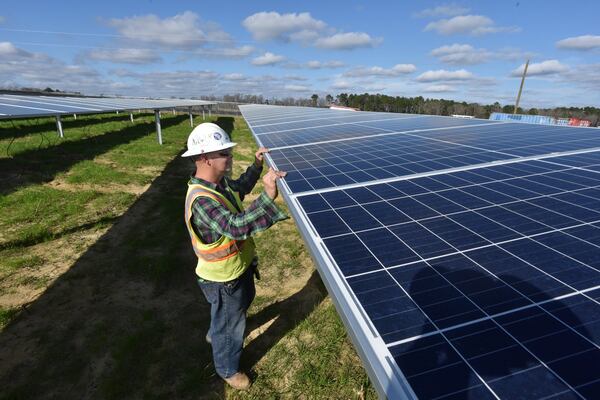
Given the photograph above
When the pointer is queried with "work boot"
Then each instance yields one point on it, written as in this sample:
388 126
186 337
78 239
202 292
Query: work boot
239 381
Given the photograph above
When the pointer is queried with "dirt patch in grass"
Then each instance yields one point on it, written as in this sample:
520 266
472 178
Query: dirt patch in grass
58 256
103 188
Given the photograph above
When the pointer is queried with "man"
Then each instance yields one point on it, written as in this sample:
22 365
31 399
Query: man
221 232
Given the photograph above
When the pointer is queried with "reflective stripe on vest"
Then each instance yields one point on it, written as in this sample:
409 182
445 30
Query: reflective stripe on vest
224 259
229 247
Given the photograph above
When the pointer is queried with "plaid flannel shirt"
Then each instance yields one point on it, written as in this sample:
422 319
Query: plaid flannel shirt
211 220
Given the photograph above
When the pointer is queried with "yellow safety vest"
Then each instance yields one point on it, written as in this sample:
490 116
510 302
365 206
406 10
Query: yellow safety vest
224 259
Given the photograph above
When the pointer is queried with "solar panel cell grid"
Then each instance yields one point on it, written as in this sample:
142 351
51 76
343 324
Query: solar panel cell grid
365 160
482 282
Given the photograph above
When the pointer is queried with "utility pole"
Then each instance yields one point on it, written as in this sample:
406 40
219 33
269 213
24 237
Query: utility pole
521 87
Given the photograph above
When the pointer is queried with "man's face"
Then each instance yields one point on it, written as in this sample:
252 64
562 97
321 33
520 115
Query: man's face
221 160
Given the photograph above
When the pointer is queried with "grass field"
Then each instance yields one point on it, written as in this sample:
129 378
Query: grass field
97 291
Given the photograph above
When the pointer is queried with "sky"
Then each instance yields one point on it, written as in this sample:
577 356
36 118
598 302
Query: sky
471 51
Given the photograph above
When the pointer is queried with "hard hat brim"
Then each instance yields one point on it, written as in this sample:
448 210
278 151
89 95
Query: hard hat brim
189 153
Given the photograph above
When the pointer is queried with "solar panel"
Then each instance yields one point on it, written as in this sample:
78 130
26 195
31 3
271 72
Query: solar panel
16 106
463 258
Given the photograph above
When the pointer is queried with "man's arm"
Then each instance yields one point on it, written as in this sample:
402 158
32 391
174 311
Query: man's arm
260 215
246 182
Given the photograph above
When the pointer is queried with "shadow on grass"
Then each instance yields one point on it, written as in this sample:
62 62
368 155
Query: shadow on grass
45 235
39 166
126 320
48 126
289 313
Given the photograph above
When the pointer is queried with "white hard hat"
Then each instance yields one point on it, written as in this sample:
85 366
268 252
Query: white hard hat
206 138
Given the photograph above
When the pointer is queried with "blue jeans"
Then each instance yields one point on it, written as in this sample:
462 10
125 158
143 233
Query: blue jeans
229 302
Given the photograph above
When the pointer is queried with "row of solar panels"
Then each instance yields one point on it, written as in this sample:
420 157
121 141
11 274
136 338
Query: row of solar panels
462 255
17 106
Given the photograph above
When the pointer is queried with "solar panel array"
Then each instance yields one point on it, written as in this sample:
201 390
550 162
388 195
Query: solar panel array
17 106
462 255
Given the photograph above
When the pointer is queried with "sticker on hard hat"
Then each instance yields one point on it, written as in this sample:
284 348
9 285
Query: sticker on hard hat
217 136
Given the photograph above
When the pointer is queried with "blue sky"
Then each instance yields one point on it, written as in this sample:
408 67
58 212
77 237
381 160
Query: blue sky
465 50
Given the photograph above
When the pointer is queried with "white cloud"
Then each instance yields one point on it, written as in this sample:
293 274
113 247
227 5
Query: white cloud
443 75
314 64
268 59
461 54
125 56
176 83
20 68
2 19
448 10
327 64
396 70
297 88
548 67
584 43
587 76
347 41
179 31
225 52
7 49
439 89
467 24
234 77
184 33
272 25
341 85
304 29
465 54
295 78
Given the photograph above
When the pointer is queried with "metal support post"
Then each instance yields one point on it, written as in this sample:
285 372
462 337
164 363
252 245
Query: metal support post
59 127
74 116
191 117
173 111
209 108
158 132
203 115
131 117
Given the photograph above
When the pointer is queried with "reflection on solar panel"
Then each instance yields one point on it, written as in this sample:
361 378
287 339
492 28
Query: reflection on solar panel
462 255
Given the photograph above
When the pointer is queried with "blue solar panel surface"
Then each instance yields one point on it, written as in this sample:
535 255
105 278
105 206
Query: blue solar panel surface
481 280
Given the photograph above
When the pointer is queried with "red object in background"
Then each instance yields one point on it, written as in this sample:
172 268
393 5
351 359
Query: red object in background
579 122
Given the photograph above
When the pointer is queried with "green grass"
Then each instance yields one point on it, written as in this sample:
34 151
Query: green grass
125 318
7 314
105 175
37 214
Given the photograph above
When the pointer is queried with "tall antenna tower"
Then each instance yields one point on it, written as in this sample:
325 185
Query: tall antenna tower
521 87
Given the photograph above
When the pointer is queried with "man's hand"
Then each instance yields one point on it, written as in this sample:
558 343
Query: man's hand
259 156
269 182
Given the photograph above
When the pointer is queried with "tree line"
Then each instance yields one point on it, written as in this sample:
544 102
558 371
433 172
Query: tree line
421 105
417 105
